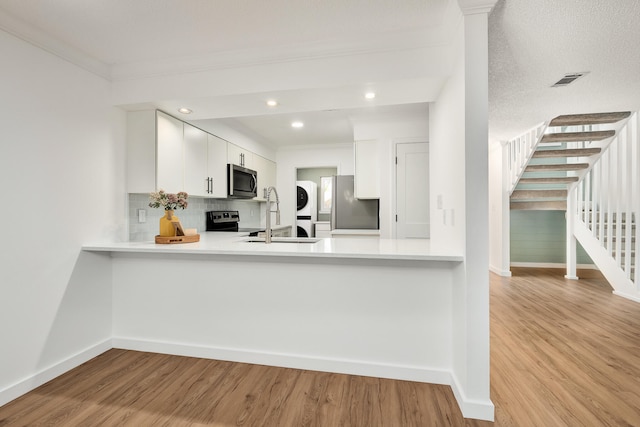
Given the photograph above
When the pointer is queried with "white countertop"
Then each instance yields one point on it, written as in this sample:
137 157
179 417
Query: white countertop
235 244
355 232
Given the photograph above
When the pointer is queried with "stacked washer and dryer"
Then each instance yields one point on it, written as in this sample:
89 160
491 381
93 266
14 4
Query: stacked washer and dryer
307 208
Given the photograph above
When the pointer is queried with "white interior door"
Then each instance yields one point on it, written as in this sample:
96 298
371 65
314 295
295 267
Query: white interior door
412 190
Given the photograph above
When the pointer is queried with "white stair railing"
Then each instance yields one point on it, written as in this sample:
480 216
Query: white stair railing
605 205
519 152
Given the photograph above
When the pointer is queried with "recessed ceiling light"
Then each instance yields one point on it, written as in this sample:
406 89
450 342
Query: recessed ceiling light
297 125
272 103
370 95
184 110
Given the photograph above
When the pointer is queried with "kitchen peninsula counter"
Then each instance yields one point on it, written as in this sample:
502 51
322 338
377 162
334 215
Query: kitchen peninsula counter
374 307
219 243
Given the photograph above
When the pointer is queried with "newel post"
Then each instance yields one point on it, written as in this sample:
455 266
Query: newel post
571 237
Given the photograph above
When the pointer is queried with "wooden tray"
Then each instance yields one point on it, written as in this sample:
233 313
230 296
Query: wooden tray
177 239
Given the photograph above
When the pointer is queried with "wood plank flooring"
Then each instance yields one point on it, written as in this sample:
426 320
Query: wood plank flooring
563 353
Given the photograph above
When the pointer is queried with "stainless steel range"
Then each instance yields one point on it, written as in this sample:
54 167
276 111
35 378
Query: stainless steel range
228 221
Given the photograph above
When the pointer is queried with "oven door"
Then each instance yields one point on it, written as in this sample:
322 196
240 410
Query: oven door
242 182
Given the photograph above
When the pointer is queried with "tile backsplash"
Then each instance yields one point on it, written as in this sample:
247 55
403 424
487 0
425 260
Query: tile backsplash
192 217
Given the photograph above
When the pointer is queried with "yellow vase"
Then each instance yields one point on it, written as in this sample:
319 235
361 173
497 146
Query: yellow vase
166 224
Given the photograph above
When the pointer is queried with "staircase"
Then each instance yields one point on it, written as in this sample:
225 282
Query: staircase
589 166
562 154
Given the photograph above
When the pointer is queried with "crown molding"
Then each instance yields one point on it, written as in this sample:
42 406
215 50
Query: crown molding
402 40
30 34
437 36
474 7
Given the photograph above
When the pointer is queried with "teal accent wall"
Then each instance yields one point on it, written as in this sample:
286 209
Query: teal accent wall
540 236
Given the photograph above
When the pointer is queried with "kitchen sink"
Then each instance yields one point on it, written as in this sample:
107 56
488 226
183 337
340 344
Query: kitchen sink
284 240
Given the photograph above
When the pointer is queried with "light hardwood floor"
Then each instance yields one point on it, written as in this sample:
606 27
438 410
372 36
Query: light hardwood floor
563 353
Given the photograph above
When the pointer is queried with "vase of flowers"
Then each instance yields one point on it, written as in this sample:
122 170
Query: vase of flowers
170 202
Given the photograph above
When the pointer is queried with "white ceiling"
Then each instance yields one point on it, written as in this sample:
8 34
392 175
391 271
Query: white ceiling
320 127
134 42
122 31
531 45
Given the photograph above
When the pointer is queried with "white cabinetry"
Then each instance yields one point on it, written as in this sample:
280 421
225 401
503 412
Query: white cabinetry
141 151
217 166
323 229
169 163
205 163
239 156
166 153
196 178
367 169
266 170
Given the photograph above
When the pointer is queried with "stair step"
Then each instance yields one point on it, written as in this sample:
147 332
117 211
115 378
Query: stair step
538 194
589 119
549 180
557 167
597 135
549 205
570 152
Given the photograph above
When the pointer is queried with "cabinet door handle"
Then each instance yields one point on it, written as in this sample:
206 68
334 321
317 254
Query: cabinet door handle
211 185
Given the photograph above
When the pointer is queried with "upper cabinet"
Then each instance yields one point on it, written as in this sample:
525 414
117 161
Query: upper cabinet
239 156
217 166
367 169
166 153
170 158
196 178
266 170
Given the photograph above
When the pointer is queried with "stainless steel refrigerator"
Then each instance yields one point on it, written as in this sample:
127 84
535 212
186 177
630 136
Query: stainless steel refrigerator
347 212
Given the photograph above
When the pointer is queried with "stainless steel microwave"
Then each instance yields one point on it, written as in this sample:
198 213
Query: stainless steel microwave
242 182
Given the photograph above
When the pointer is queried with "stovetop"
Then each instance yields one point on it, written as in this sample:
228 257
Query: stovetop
228 221
222 220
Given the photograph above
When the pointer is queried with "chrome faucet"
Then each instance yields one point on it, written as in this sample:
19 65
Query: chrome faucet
267 237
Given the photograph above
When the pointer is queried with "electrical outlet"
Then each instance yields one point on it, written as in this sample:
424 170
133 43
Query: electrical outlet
142 215
251 212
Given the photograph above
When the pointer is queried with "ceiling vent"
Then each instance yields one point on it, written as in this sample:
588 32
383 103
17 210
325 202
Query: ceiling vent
568 79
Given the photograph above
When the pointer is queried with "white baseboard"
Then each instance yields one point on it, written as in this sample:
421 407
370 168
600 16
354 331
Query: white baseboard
472 408
341 366
500 272
633 296
552 265
483 410
47 374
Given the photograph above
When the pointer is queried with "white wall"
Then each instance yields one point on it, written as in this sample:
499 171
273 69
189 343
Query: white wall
62 169
447 163
499 218
367 317
459 175
289 159
388 132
